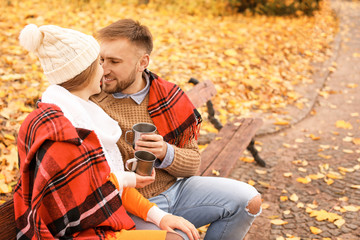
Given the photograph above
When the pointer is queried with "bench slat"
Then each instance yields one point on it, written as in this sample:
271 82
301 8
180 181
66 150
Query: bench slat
7 221
201 93
231 147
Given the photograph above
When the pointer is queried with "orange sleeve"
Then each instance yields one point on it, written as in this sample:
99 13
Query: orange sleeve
133 201
114 180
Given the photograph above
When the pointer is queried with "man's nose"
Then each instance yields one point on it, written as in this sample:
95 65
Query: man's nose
105 68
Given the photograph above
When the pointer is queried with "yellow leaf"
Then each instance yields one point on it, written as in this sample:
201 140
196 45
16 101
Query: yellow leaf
329 181
343 124
348 151
324 156
288 174
203 229
346 169
4 188
334 175
215 172
258 171
280 238
231 52
233 61
281 123
2 201
339 222
300 205
351 208
294 197
315 230
264 184
352 85
313 137
232 83
283 198
316 176
278 222
356 141
247 159
265 206
286 212
9 137
355 186
304 180
251 182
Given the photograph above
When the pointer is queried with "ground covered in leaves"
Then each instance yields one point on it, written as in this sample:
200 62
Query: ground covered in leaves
256 62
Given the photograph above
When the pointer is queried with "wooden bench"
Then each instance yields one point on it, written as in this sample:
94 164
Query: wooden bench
221 154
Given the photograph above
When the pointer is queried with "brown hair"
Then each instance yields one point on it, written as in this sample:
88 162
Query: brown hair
132 30
82 79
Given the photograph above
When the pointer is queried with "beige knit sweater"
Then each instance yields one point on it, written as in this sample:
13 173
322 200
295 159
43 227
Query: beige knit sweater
127 113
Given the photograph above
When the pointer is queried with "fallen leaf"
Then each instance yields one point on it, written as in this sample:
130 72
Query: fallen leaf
215 172
251 182
316 176
247 159
283 198
348 151
278 222
258 171
339 222
265 205
288 174
231 53
356 141
324 156
294 197
351 208
343 124
315 230
304 180
334 175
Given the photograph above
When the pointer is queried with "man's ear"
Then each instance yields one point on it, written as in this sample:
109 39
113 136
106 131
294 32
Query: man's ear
144 62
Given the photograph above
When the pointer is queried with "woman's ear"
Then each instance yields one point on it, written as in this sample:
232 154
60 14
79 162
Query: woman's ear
144 62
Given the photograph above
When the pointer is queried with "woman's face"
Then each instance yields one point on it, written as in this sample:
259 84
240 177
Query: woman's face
94 85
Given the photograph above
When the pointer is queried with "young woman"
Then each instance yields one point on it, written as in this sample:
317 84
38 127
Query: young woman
67 148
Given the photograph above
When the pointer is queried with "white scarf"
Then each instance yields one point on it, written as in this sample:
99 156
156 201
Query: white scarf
88 115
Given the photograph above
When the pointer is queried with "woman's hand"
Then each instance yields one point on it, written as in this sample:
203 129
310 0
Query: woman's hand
142 181
170 222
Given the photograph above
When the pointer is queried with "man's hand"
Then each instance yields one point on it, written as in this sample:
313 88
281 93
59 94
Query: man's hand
142 181
170 222
153 143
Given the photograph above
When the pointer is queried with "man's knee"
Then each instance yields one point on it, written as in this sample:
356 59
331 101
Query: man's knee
254 205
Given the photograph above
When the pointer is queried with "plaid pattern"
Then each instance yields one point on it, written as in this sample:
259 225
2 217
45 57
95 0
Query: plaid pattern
175 117
64 191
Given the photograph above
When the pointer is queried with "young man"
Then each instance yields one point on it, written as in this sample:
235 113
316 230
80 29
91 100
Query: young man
132 94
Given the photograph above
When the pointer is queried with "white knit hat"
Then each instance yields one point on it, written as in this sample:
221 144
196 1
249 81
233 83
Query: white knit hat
63 53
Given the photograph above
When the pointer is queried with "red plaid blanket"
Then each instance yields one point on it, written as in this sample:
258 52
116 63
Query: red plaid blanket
175 117
63 191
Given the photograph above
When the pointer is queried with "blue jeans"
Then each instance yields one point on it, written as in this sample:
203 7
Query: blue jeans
220 202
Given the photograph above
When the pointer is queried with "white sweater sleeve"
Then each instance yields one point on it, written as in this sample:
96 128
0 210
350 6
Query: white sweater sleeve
155 215
125 179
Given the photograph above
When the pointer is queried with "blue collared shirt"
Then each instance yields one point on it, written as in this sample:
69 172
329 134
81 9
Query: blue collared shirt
139 98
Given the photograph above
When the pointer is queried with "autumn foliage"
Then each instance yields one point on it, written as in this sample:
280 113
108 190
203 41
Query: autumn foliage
256 62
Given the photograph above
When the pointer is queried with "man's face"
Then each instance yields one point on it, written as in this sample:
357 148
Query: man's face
120 61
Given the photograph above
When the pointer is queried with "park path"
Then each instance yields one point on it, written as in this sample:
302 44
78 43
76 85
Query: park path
316 145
